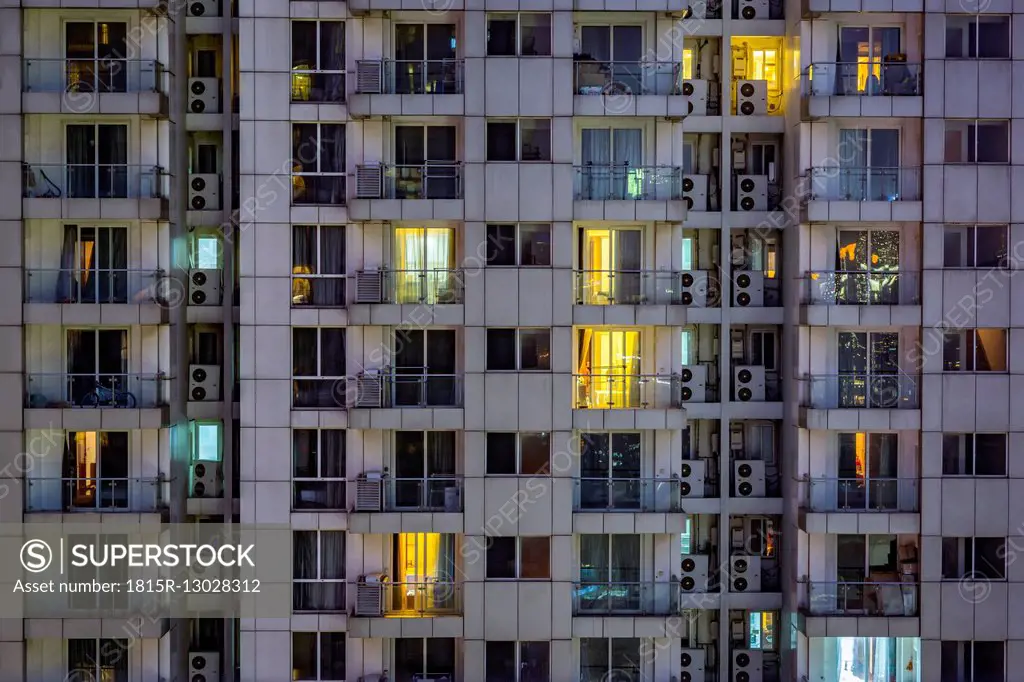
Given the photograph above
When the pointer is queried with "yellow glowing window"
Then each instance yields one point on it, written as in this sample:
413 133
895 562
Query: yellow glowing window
765 67
687 64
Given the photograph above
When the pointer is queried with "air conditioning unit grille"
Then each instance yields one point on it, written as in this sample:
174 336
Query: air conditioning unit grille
369 182
369 77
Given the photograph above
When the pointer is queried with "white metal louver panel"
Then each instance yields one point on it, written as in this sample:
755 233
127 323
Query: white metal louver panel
369 182
369 390
369 599
368 495
369 286
369 76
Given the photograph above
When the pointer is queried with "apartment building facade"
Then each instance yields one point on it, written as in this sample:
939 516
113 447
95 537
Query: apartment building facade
611 340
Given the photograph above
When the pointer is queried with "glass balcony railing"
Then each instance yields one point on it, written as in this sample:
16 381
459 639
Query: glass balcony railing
862 599
437 286
613 390
628 78
424 181
92 75
419 599
864 494
621 182
107 285
641 287
843 183
105 494
863 288
602 494
91 181
403 387
862 390
406 77
54 391
625 598
867 78
441 493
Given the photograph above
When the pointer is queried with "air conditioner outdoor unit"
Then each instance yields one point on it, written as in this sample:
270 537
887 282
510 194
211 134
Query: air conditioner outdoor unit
695 192
751 97
749 383
369 390
203 8
691 665
694 288
369 182
697 10
204 287
746 665
207 479
695 573
693 380
204 192
752 192
753 9
370 598
693 474
203 382
748 289
204 95
696 92
204 666
369 76
744 573
369 286
748 478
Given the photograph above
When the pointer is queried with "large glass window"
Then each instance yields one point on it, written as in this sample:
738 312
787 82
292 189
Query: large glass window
610 470
318 656
423 265
318 265
318 562
862 52
104 660
603 659
869 161
868 471
318 61
318 469
877 659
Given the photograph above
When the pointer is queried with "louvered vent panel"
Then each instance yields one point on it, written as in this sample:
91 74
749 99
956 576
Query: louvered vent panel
369 77
369 181
369 599
370 391
368 497
369 286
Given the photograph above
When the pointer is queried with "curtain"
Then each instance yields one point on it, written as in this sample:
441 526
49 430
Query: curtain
332 466
884 159
113 160
81 159
629 261
318 291
596 156
440 262
303 263
409 263
67 264
853 159
332 59
118 264
332 567
627 152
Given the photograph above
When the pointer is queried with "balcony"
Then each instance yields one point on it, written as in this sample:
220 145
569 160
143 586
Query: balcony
625 599
886 495
408 599
127 391
436 286
93 86
613 391
879 298
318 189
875 194
106 495
629 89
623 192
888 599
391 87
431 191
626 494
875 88
100 191
379 398
47 291
837 401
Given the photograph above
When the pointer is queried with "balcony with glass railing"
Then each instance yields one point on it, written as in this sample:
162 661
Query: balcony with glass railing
869 78
880 287
91 181
404 387
439 493
894 391
91 76
628 79
625 598
94 286
425 599
866 598
876 183
102 390
641 287
433 180
604 494
613 390
410 77
94 494
428 286
622 182
863 494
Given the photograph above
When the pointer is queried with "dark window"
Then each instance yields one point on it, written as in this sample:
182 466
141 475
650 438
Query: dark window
529 32
501 141
972 662
318 459
535 139
535 558
974 454
535 453
501 245
518 662
501 558
535 349
530 457
501 35
500 663
534 662
977 36
535 34
501 453
974 558
501 349
526 245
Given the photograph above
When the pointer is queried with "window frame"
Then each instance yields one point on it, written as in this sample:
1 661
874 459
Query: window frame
961 652
517 453
319 353
976 20
518 658
962 445
319 563
518 564
518 349
969 339
967 548
318 263
319 477
96 661
971 245
319 144
318 638
317 53
518 52
972 144
518 123
517 244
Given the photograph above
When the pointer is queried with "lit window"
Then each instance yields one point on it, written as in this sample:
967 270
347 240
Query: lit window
762 630
687 63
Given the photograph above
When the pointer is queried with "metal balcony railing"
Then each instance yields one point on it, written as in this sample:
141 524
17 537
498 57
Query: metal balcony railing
602 494
862 390
411 599
622 182
408 77
91 181
322 189
436 286
625 598
105 494
862 288
614 390
404 387
440 493
628 78
862 599
642 287
863 494
858 79
91 75
844 183
55 391
100 285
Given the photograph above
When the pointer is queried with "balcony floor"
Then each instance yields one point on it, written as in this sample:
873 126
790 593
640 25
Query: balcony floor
860 522
412 625
852 419
406 522
860 315
673 418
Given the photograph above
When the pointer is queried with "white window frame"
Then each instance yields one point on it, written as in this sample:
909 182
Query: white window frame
517 245
319 478
519 33
318 654
518 453
969 342
965 125
973 438
519 347
976 19
969 244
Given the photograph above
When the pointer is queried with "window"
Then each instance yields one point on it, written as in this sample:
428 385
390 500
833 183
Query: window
973 662
518 662
762 349
519 349
318 265
527 454
868 471
528 139
604 659
96 476
974 454
318 163
318 570
977 36
974 558
420 658
98 659
524 558
529 32
977 141
974 350
318 469
318 61
975 246
205 252
206 441
523 245
761 630
95 54
318 352
318 656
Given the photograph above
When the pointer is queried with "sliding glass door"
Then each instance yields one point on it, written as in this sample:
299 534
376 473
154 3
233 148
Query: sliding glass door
608 368
869 369
423 570
97 161
612 160
95 470
862 52
869 164
94 265
96 358
609 573
424 371
95 54
867 267
612 260
610 471
424 468
425 59
425 162
617 55
424 265
868 471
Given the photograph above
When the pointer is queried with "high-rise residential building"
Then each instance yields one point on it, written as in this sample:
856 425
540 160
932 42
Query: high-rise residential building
575 340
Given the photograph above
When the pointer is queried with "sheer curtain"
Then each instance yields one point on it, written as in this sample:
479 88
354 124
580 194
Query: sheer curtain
332 466
853 160
332 59
627 152
63 292
440 256
596 156
409 263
